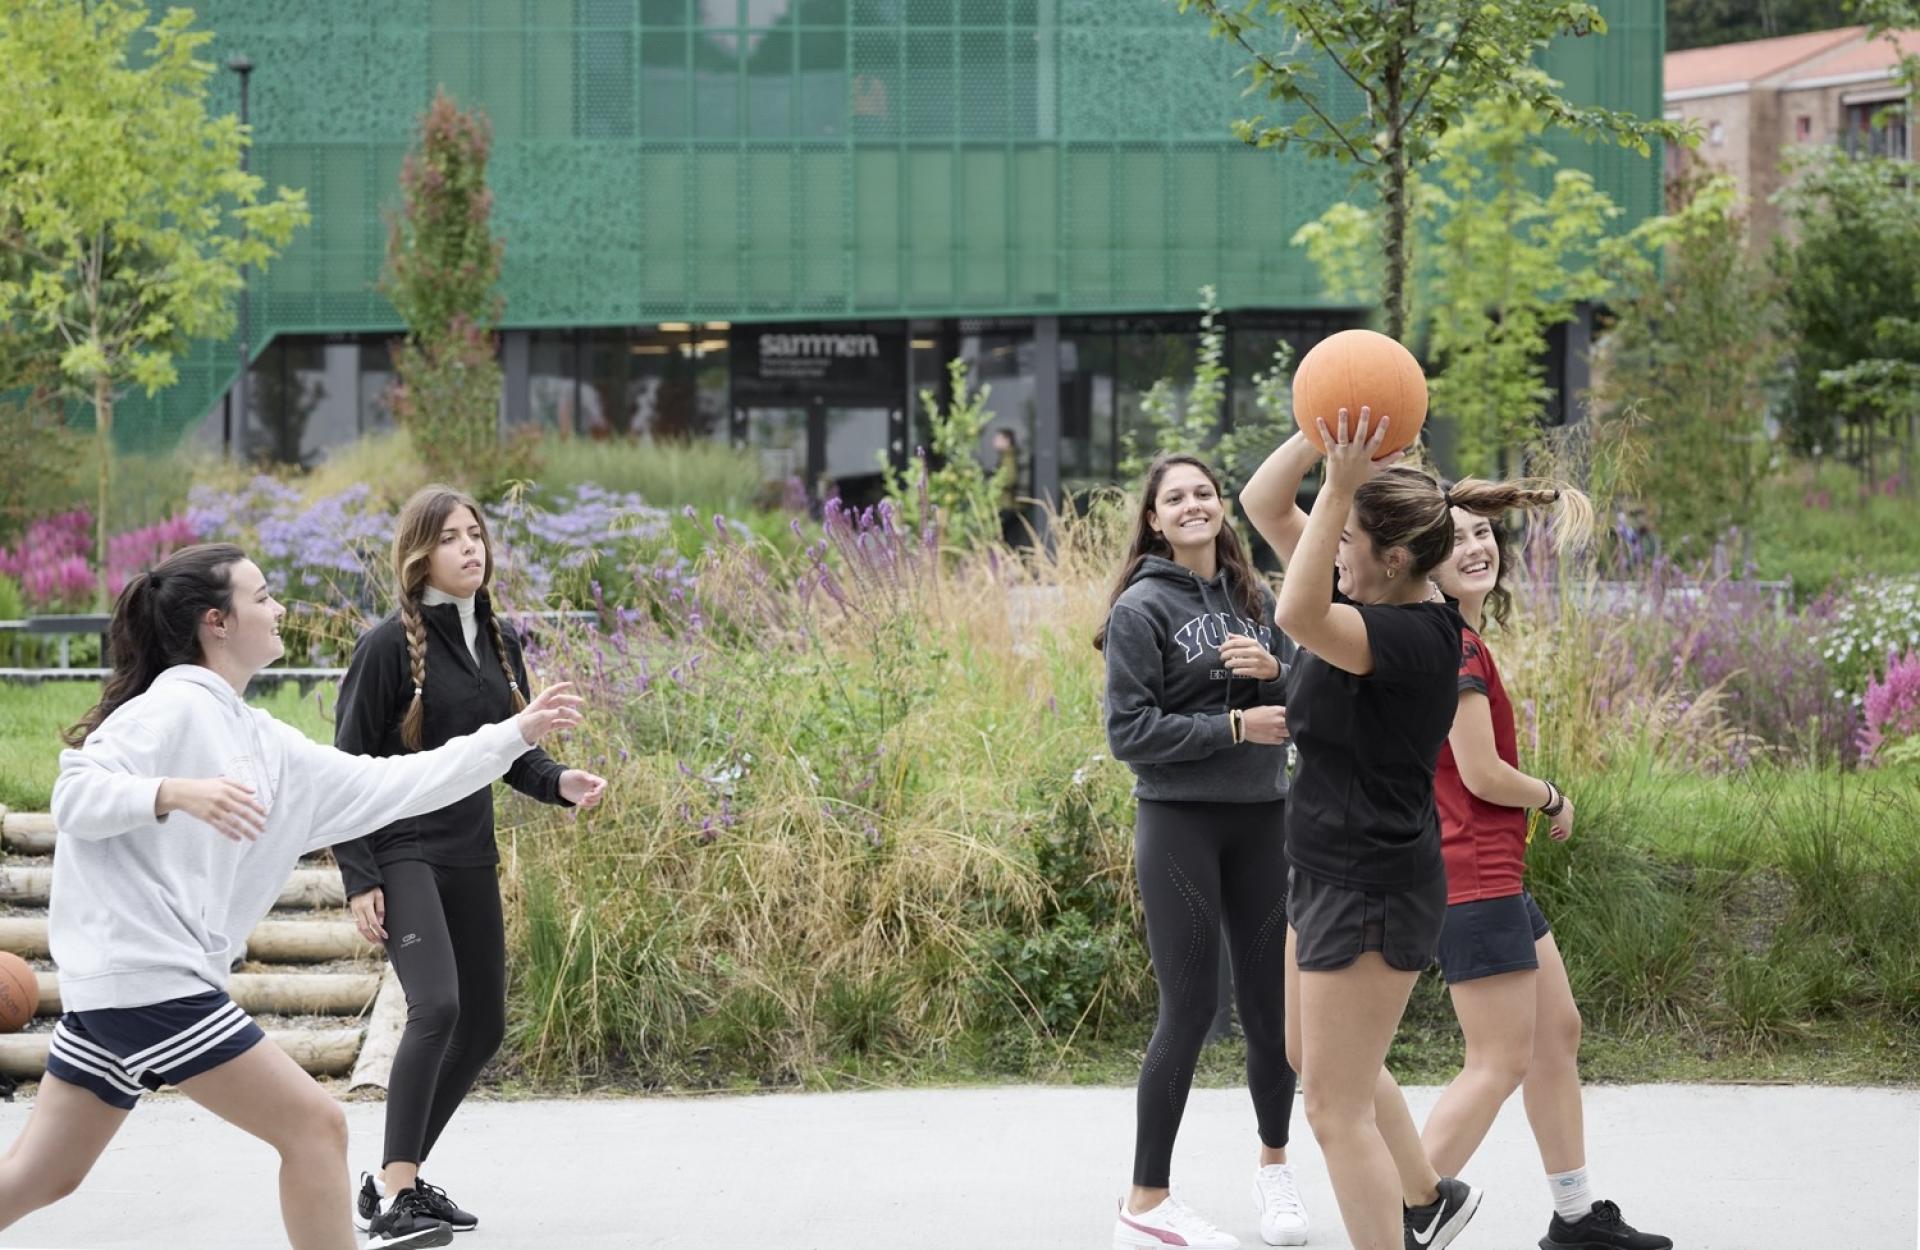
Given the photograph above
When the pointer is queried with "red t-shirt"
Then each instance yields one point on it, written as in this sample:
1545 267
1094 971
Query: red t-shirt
1484 844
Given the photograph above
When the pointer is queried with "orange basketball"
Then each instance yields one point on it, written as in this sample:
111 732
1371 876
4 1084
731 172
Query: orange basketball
19 992
1355 369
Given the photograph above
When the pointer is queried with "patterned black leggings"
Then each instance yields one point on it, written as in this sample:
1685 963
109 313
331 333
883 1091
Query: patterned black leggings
1199 863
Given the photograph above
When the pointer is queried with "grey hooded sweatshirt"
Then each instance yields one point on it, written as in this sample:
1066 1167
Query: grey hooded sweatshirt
1168 692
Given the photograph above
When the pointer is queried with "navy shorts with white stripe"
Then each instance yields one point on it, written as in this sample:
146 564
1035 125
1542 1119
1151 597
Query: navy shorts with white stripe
120 1052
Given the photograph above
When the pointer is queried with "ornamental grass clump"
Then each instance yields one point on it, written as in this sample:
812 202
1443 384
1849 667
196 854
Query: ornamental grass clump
841 781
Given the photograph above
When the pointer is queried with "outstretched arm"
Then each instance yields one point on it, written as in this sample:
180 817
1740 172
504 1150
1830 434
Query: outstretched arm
351 795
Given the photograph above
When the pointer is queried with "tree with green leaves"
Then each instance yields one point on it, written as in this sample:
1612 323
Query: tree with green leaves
1502 264
1190 419
1708 23
1877 390
122 202
1416 67
443 271
1681 411
1850 285
960 493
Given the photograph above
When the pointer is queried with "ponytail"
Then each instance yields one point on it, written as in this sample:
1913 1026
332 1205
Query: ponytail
156 625
1406 507
1572 523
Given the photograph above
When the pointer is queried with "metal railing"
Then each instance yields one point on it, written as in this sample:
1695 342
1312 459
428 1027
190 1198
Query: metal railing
67 626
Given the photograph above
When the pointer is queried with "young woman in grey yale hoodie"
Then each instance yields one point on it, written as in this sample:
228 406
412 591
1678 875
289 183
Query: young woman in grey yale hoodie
1195 672
181 813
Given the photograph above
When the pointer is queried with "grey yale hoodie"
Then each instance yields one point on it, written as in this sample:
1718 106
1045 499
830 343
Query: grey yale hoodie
1168 692
145 910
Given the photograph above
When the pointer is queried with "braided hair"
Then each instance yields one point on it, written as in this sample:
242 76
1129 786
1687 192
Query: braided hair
414 540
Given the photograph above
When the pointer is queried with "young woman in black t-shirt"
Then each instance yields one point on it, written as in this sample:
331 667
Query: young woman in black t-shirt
1370 702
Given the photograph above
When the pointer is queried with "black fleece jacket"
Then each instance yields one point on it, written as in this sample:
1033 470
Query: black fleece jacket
461 696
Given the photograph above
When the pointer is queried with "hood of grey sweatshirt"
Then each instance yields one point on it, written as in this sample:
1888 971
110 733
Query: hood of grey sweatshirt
1168 693
146 909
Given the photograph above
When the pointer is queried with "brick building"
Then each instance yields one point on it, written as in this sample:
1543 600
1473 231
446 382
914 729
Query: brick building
1755 102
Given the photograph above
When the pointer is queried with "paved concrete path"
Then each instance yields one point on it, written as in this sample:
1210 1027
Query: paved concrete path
1714 1167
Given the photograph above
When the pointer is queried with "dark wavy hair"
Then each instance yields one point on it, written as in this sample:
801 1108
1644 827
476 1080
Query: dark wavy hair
156 624
1243 584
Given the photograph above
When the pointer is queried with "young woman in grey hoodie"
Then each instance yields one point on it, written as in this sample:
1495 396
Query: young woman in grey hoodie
1195 673
181 814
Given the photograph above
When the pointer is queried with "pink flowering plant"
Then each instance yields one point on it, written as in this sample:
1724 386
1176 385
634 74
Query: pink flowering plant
52 563
1891 710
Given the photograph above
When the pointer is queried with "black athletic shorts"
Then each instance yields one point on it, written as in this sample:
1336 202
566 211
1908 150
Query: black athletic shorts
1490 936
1334 925
119 1052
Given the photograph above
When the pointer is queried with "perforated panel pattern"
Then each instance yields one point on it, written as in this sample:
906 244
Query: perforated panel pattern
801 159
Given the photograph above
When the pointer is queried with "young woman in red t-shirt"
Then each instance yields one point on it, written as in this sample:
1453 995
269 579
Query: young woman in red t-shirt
1498 957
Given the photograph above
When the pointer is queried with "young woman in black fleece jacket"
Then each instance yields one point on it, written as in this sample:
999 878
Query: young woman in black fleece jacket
440 666
1194 687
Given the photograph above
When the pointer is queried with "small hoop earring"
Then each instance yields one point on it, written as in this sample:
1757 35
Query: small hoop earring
1392 573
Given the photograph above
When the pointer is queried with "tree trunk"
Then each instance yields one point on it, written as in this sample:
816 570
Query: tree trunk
1393 195
103 433
1907 461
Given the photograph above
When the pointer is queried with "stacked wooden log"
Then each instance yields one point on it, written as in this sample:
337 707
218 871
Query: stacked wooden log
307 976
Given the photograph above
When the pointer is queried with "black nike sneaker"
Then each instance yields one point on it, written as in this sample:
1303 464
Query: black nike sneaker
1440 1221
366 1203
1602 1229
405 1222
441 1207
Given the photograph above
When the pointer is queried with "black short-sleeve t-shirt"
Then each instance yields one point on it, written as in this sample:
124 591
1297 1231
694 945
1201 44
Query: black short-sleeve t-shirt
1361 813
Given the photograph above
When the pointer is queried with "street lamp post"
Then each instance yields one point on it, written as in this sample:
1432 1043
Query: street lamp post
237 418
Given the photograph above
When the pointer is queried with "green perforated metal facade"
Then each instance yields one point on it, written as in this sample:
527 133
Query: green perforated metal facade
806 160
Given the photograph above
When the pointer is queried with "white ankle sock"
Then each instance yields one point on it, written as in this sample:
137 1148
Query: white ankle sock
1572 1194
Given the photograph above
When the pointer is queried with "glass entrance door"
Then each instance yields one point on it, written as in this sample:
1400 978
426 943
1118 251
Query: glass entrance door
854 441
830 450
780 436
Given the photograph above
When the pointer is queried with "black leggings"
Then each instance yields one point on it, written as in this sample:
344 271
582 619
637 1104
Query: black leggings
1200 863
448 946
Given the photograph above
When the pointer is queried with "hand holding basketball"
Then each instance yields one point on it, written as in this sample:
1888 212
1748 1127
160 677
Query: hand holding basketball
1355 370
1354 452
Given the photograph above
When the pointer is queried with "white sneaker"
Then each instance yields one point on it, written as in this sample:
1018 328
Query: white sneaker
1172 1223
1283 1220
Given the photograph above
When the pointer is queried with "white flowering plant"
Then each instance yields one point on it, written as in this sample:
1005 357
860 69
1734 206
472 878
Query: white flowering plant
1865 623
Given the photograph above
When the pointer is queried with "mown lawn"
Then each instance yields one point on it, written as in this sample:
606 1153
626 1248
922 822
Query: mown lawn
33 717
